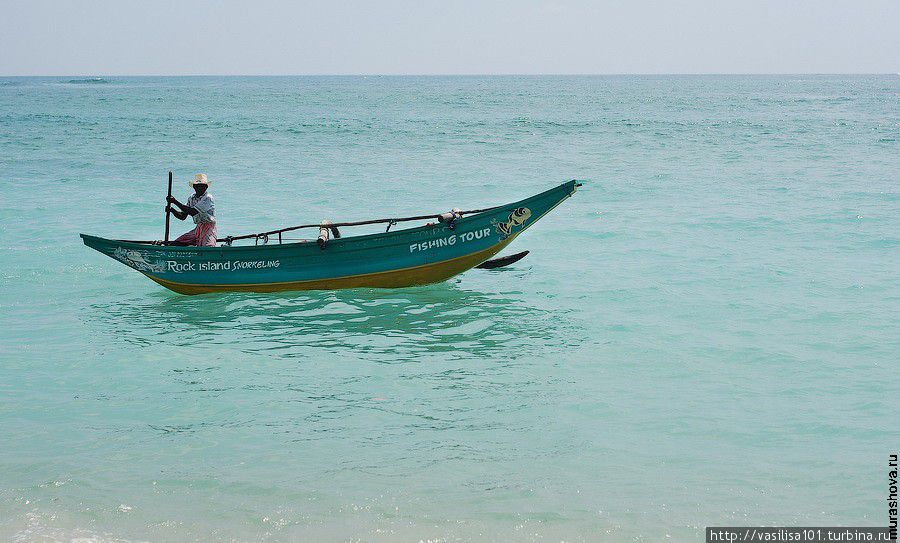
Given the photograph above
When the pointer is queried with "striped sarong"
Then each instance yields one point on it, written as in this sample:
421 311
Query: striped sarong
203 235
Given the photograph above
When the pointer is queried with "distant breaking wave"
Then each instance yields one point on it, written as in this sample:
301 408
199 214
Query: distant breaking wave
89 81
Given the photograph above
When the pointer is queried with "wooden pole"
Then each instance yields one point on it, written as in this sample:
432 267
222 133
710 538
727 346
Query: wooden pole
167 208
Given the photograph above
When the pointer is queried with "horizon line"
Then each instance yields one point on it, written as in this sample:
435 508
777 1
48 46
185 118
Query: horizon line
473 74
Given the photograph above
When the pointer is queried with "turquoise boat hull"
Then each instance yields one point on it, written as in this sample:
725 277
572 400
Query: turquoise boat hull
401 258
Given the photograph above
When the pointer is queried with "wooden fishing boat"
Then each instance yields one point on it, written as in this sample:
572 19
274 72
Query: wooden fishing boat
456 242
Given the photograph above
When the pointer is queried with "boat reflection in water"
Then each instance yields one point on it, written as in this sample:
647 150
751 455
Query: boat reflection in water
402 324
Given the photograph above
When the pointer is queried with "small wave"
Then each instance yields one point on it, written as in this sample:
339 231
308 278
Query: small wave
89 81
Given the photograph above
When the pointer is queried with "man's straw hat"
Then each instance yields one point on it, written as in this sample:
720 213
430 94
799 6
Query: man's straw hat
199 179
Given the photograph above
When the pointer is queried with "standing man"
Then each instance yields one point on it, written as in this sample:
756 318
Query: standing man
202 208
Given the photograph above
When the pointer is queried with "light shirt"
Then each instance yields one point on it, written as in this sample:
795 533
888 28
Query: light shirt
206 207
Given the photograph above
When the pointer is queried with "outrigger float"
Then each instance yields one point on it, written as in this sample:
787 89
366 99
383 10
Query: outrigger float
458 241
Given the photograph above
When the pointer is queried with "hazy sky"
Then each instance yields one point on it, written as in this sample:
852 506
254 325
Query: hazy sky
107 37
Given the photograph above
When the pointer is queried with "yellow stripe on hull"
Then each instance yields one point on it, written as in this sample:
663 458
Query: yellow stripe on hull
406 277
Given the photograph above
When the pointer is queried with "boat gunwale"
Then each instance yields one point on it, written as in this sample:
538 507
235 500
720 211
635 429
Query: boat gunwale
339 242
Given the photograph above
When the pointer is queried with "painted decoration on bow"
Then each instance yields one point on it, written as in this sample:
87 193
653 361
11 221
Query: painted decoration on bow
517 218
139 260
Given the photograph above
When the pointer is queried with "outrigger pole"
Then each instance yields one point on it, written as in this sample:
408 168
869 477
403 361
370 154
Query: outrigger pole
168 207
441 217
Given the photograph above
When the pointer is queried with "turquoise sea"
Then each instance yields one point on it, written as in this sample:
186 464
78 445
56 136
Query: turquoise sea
706 334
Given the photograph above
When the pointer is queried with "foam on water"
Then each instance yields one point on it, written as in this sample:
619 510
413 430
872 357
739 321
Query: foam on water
706 334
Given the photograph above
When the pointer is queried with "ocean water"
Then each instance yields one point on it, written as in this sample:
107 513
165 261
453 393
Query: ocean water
705 334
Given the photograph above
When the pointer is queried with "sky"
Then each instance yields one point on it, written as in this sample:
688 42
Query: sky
269 37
